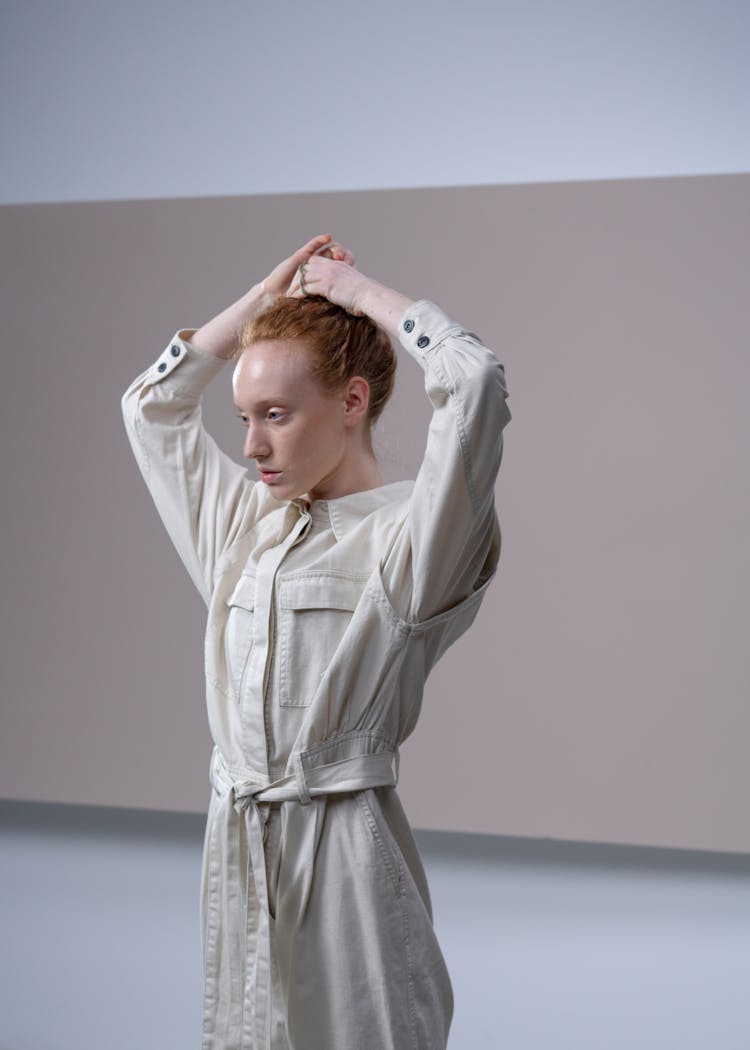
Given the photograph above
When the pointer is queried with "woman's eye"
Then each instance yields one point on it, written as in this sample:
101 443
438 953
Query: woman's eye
274 415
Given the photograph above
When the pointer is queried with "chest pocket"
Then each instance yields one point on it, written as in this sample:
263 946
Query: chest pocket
314 611
239 631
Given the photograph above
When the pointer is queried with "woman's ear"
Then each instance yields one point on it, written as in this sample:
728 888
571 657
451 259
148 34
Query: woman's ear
356 400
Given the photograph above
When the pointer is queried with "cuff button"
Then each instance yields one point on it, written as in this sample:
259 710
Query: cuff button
423 341
175 350
408 325
161 366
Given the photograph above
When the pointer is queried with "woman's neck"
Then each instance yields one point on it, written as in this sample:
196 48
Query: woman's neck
355 476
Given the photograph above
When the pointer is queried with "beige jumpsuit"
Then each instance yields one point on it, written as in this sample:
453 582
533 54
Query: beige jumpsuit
323 623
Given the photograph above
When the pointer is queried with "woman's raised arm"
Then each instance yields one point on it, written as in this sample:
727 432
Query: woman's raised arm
450 545
204 498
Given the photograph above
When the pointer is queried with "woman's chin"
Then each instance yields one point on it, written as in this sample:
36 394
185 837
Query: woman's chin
284 493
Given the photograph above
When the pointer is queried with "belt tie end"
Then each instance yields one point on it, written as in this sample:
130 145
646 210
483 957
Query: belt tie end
301 782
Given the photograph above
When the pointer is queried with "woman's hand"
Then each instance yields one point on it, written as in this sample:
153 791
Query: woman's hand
338 280
341 282
280 280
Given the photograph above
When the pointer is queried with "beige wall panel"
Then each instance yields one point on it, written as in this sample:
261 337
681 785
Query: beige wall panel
602 693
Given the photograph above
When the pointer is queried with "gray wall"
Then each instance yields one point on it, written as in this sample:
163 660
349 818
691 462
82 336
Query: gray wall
600 693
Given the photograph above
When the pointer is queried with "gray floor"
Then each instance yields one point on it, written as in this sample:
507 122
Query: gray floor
549 944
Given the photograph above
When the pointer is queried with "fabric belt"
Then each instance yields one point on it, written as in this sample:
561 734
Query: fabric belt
247 1023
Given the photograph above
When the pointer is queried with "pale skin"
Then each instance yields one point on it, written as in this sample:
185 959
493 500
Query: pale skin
317 442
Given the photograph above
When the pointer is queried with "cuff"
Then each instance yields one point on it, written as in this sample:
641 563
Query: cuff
423 326
196 367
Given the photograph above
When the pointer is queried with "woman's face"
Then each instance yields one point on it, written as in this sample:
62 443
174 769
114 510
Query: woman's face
294 428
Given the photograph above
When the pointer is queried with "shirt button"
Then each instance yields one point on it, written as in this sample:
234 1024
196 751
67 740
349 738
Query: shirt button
175 350
161 366
408 325
423 341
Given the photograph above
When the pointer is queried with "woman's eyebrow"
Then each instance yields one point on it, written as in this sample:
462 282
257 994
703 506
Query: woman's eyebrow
265 403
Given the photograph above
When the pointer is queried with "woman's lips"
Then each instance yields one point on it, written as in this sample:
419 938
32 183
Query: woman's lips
269 475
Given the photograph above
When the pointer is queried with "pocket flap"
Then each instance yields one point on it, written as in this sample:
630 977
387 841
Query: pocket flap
321 593
243 593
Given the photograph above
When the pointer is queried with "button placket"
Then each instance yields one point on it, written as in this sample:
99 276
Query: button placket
253 689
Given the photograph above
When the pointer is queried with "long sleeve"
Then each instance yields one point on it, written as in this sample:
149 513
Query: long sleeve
204 498
451 540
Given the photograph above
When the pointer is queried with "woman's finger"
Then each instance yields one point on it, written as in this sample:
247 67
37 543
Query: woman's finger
317 244
339 253
333 250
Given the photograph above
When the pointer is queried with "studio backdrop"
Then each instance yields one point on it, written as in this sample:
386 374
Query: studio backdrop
601 694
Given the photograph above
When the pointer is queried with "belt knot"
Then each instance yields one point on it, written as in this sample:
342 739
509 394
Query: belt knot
243 795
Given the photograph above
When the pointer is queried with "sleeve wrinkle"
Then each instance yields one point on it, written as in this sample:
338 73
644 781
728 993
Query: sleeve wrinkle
452 533
202 495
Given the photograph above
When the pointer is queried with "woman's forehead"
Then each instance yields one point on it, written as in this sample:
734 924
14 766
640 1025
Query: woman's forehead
271 368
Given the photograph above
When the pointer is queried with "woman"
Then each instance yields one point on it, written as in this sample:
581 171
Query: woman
330 597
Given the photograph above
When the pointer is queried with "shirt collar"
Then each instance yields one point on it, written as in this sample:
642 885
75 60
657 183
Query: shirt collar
344 512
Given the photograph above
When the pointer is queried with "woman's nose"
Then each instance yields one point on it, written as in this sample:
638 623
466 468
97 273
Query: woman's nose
256 444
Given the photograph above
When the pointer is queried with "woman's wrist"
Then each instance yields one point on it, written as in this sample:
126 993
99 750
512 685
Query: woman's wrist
220 336
385 306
